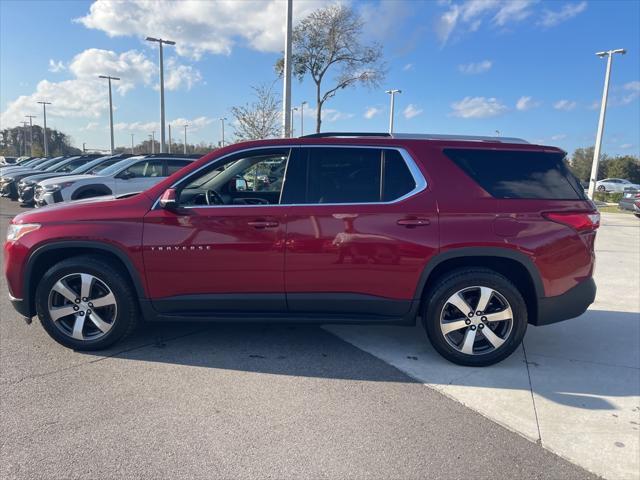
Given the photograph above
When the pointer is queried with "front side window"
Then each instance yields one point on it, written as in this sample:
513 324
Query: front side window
144 169
248 178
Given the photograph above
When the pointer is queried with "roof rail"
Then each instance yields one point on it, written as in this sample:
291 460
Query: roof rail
346 134
418 136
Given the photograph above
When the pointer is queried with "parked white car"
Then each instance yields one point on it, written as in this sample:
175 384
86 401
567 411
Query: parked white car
615 185
134 174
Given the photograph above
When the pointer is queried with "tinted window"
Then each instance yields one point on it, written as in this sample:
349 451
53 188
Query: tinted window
397 179
174 165
518 174
346 175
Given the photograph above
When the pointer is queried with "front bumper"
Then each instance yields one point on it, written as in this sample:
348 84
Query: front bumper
9 189
26 194
571 304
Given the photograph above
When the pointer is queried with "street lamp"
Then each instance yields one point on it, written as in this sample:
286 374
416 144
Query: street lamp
30 117
222 119
302 118
153 142
131 143
294 109
46 143
603 110
392 93
286 97
161 42
185 138
24 137
169 149
110 107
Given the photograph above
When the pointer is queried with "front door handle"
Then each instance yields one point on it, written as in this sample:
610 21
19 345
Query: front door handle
413 222
263 224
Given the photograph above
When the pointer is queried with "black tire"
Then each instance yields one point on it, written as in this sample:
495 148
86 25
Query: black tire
602 188
126 316
456 281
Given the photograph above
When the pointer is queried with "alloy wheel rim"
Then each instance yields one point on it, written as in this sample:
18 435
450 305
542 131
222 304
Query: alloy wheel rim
82 306
476 320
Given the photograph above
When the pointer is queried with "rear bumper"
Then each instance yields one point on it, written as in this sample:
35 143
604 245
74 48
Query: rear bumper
570 304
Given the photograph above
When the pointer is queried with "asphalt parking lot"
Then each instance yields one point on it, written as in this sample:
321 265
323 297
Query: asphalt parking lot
274 401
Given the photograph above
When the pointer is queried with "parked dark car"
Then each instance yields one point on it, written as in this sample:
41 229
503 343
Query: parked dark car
8 183
476 237
630 201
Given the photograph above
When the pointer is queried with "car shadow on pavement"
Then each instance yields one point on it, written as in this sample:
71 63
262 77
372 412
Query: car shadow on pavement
575 363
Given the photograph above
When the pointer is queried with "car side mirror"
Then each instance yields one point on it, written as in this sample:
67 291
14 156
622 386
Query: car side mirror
241 185
169 200
125 175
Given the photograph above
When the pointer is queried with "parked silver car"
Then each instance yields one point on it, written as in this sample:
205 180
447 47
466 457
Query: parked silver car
615 185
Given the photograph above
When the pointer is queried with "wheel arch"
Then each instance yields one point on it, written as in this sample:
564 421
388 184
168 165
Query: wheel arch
99 188
47 255
514 265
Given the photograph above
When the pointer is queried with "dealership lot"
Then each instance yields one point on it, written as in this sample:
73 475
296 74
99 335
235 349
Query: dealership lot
291 401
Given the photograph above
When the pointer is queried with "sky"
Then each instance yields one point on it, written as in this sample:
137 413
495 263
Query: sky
523 68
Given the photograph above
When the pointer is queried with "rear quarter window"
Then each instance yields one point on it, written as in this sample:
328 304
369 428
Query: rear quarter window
519 174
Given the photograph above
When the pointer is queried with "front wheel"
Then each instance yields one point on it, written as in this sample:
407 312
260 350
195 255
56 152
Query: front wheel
84 303
475 317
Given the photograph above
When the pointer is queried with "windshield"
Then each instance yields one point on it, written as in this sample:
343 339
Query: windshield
98 169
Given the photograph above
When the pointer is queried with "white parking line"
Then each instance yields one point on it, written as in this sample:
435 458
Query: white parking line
578 392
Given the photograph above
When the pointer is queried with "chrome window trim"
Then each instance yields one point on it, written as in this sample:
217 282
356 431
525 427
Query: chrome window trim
418 177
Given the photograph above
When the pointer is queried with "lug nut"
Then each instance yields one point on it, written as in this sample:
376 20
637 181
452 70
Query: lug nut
470 314
81 313
484 319
467 321
77 300
91 304
84 299
472 327
88 312
478 313
76 308
481 326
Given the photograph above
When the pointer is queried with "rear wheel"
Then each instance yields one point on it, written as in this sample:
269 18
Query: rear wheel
475 317
602 188
85 304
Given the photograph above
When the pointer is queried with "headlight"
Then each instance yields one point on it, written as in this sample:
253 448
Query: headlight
58 186
17 230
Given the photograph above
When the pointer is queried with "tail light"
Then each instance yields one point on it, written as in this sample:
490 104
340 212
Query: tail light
579 221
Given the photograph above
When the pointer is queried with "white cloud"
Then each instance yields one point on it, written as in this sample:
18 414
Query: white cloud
470 14
526 103
626 146
411 111
477 107
85 95
475 68
198 27
372 112
565 105
559 136
91 126
178 76
56 67
177 123
633 92
328 114
552 18
408 67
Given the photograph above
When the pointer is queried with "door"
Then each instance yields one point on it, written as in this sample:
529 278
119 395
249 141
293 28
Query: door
139 176
223 250
360 230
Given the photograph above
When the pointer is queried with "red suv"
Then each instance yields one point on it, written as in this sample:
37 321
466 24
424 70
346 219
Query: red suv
475 237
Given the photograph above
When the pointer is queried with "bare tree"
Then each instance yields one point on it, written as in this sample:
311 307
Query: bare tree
327 40
259 119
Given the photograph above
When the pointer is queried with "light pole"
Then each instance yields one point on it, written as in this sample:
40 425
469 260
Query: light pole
603 110
222 119
30 117
161 42
110 107
153 142
185 138
24 137
169 149
294 109
392 93
131 143
286 96
302 118
46 143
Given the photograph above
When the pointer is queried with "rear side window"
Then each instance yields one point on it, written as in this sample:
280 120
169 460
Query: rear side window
174 165
346 175
519 174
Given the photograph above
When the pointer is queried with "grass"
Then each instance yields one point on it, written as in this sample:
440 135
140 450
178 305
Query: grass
613 209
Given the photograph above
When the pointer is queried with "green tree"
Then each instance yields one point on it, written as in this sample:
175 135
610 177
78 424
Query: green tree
17 141
328 41
581 162
259 119
627 167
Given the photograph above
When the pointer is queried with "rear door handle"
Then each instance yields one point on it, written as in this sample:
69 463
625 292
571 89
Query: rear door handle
263 224
413 222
